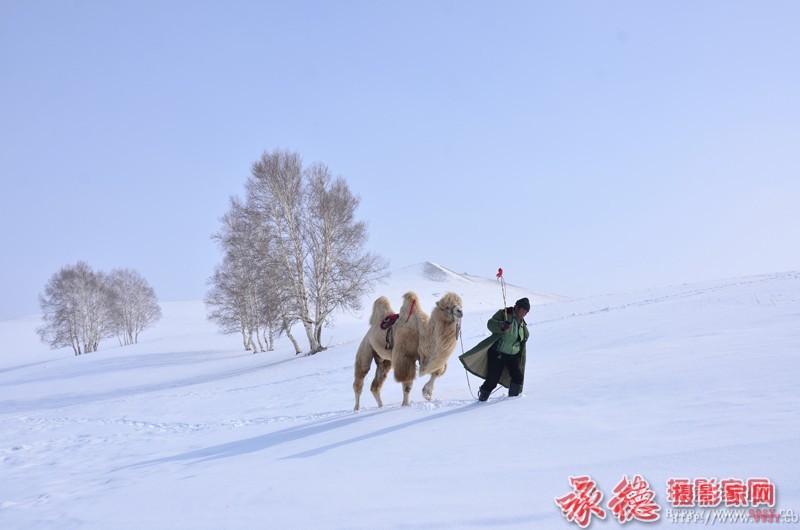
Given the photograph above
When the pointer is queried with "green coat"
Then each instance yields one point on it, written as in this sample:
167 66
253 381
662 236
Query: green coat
474 360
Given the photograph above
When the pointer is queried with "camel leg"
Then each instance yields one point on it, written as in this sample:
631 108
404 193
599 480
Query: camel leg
407 391
382 372
358 385
363 361
427 390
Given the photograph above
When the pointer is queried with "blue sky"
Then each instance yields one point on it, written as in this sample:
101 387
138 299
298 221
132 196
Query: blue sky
585 147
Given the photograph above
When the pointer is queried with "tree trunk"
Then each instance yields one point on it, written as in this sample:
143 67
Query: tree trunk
269 338
313 343
318 336
258 338
297 350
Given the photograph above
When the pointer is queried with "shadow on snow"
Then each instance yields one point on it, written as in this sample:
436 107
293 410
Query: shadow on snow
307 430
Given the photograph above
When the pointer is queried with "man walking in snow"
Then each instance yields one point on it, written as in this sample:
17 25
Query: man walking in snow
500 358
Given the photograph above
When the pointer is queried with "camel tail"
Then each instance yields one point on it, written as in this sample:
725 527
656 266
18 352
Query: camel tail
405 368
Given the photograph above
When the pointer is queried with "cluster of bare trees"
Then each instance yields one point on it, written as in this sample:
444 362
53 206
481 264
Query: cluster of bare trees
80 307
293 253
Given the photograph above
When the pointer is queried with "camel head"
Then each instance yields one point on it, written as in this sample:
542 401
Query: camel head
451 305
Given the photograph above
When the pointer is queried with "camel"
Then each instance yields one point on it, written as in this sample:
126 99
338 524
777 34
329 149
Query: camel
415 337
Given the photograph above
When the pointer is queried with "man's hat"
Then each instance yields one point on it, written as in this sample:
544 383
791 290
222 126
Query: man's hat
524 304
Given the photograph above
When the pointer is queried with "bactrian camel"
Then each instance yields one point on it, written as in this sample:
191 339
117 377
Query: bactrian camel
414 337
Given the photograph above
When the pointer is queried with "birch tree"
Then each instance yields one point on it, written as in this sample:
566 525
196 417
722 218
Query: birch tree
134 305
316 243
275 190
227 302
76 309
293 253
80 307
340 272
246 295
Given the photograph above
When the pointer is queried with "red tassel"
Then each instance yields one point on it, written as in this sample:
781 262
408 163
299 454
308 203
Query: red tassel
413 302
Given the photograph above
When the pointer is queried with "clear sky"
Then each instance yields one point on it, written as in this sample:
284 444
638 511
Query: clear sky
585 147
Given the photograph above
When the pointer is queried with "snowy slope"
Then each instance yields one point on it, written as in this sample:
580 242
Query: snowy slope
185 430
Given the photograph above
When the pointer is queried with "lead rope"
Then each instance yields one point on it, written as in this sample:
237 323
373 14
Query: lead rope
505 316
466 373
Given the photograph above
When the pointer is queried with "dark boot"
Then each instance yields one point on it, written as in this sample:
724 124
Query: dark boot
483 395
514 390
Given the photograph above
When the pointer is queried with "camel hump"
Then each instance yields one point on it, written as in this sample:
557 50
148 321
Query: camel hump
412 309
380 308
410 302
410 296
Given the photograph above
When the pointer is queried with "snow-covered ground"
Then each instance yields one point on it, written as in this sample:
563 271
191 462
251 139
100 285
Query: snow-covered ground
186 430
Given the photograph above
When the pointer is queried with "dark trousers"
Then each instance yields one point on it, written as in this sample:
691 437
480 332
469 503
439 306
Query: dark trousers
497 363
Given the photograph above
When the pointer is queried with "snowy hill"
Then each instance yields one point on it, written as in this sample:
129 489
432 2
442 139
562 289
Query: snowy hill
430 280
186 430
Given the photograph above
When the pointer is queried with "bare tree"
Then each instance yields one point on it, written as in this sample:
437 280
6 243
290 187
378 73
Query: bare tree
227 304
340 272
276 192
76 309
275 298
246 295
316 243
293 253
134 304
232 299
80 307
